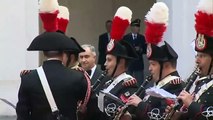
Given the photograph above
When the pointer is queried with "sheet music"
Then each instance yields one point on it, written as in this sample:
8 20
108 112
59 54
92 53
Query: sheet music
160 93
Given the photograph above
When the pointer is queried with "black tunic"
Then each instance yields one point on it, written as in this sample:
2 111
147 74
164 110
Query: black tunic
153 107
67 86
202 107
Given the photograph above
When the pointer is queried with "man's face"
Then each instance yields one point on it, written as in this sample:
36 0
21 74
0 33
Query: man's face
87 59
154 68
135 29
108 26
203 60
110 64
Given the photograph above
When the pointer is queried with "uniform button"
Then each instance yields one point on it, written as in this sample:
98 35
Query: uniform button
208 93
198 87
150 101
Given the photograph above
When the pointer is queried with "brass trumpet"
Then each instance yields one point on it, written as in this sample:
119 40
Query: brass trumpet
189 83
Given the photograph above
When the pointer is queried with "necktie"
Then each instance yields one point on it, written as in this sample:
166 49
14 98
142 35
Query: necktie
134 36
89 72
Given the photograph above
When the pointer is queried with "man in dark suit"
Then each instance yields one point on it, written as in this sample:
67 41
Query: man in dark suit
67 86
136 68
87 60
102 43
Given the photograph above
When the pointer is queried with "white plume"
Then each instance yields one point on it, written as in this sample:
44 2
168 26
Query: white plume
124 13
206 6
159 13
48 6
63 12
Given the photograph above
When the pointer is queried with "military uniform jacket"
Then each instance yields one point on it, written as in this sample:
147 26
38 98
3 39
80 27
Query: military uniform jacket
138 42
202 107
67 86
93 112
115 87
152 108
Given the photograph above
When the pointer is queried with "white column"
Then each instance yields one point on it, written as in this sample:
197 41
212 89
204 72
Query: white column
18 26
181 32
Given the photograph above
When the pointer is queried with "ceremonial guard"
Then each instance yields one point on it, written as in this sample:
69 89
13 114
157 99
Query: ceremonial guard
67 86
162 59
119 53
198 103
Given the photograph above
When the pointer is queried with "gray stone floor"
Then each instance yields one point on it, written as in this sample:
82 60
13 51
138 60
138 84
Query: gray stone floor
7 117
8 91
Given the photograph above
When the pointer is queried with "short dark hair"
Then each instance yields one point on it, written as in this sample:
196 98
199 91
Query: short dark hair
127 61
173 63
50 54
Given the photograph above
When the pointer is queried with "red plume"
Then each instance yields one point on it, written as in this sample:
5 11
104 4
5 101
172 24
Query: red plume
119 27
204 23
62 24
154 32
49 21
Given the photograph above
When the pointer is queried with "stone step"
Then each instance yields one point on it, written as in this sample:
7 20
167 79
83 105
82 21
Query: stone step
8 91
7 117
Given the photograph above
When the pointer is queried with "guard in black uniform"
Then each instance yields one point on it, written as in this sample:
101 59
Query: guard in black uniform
119 54
67 86
163 60
199 102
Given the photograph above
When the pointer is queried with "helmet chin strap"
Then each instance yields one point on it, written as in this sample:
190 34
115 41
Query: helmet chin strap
116 65
161 69
210 66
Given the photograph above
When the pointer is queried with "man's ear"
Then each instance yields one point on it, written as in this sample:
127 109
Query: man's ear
166 64
122 62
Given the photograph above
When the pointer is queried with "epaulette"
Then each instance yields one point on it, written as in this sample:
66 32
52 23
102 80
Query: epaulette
129 82
176 81
24 72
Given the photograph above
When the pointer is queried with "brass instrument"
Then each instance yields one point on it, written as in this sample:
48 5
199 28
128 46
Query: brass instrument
139 92
189 83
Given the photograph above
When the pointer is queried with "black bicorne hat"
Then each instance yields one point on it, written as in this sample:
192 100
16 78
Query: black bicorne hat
121 49
52 41
204 43
80 49
204 27
136 22
163 53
